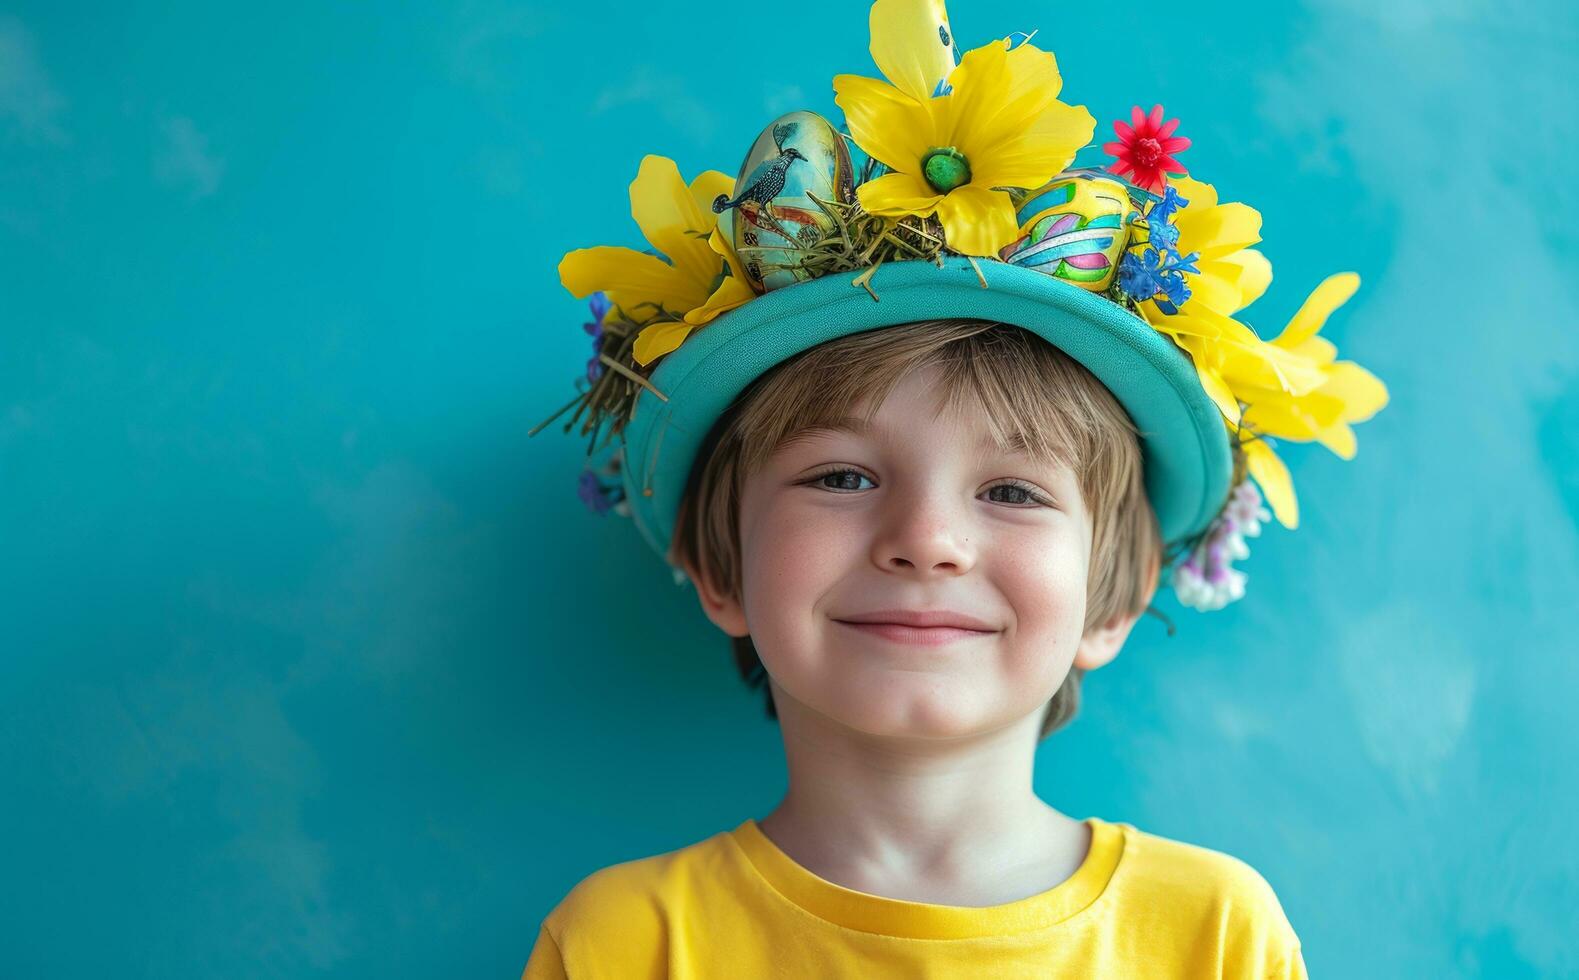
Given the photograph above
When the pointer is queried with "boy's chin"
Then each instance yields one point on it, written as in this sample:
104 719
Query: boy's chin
935 714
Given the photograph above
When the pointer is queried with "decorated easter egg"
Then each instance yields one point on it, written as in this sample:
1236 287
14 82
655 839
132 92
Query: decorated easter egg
771 219
1073 228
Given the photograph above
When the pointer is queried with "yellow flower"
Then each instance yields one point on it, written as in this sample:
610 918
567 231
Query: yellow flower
702 277
1000 126
1347 393
1230 359
1232 274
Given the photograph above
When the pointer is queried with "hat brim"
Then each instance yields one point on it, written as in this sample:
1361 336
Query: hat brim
1184 442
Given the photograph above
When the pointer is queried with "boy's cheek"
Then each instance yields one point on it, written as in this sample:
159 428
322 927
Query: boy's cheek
793 547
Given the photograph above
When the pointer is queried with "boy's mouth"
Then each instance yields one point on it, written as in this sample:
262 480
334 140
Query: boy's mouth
925 628
917 635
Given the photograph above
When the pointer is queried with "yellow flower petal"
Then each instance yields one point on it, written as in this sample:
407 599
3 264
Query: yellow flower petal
1032 69
1200 323
1201 195
658 339
1231 282
1263 364
1243 359
889 125
1317 350
1254 277
1362 393
1072 124
996 99
1215 288
1290 417
1217 389
977 221
670 220
634 281
1033 156
898 194
908 46
1333 292
1217 231
1339 438
732 291
707 186
1272 477
1349 394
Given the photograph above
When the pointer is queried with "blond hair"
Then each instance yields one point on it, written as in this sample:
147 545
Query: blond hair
1034 397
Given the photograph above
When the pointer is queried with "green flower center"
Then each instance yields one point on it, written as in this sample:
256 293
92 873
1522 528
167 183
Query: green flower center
945 168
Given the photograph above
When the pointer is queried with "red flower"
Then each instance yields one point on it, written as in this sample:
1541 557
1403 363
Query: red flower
1146 149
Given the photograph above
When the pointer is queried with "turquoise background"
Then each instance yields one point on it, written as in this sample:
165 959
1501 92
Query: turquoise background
314 665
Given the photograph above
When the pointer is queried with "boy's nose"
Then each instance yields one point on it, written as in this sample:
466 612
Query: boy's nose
922 535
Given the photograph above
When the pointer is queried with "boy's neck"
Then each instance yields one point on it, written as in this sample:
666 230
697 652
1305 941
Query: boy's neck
948 823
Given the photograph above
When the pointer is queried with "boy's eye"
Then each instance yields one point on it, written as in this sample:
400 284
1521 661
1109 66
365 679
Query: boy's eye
840 480
1010 492
1015 494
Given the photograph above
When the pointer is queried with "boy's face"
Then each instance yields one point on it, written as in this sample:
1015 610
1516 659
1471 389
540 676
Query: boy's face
922 513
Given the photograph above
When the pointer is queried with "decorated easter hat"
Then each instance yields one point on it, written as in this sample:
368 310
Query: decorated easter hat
950 190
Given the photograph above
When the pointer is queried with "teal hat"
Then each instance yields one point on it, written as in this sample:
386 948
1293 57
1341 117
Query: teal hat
950 192
1184 444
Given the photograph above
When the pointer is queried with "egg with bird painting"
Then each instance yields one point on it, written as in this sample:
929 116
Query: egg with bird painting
771 218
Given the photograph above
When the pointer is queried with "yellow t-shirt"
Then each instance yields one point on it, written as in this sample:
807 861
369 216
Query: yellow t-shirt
734 905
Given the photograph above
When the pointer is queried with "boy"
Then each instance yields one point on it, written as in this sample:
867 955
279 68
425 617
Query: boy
924 429
939 528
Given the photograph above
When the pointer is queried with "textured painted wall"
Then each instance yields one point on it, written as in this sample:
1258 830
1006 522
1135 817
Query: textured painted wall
303 668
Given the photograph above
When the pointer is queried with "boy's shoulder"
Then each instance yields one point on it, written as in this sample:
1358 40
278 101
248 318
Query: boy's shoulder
637 895
1184 869
1195 888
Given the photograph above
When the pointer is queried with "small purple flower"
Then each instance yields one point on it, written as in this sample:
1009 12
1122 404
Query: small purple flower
1206 579
599 497
599 304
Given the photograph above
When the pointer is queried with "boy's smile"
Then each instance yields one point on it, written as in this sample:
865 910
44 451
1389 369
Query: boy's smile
919 627
910 577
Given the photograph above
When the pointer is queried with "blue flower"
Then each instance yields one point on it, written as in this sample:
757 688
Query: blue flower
1159 228
1157 275
1163 210
1175 288
1184 263
1161 234
1140 275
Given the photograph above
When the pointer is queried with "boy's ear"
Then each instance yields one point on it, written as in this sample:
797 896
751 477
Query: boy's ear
723 609
1103 641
